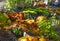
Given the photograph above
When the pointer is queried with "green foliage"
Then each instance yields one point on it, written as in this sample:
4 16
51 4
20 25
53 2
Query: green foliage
39 10
33 12
10 11
13 3
16 31
47 25
43 11
2 18
54 35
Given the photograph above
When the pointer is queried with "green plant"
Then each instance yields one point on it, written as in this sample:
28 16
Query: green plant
2 18
48 28
16 31
34 12
14 3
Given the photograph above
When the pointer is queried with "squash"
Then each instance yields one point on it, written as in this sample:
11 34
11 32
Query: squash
28 38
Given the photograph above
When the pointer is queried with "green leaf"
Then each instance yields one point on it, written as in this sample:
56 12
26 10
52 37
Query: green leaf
16 31
20 32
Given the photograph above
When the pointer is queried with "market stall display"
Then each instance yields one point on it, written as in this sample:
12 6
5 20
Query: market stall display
35 23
